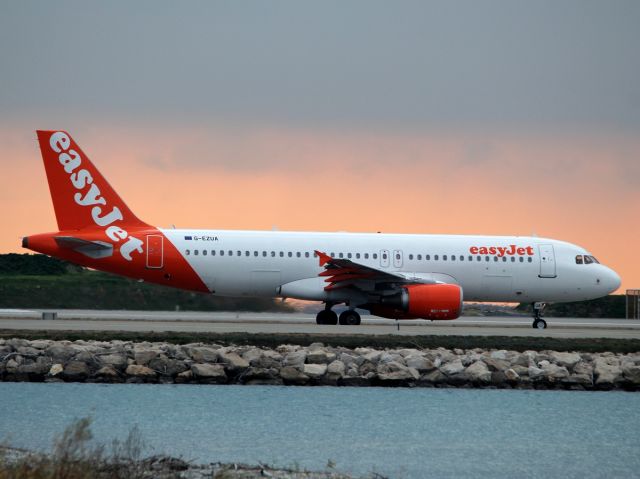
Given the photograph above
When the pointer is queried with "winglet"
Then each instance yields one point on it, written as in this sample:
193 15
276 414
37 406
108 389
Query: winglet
323 257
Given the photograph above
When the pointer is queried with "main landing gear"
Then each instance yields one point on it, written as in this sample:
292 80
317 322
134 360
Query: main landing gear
538 322
347 318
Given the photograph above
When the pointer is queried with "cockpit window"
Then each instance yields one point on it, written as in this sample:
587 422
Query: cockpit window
579 259
587 259
593 258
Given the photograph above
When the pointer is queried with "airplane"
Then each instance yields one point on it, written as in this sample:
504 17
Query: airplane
398 276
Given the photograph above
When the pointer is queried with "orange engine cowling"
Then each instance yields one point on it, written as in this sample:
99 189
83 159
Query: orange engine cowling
422 301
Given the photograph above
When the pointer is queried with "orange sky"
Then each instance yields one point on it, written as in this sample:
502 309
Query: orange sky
582 189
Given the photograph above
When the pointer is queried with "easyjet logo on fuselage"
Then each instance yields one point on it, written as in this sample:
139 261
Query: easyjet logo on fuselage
90 195
500 251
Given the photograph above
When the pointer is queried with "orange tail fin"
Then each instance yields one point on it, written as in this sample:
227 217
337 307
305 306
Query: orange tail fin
82 197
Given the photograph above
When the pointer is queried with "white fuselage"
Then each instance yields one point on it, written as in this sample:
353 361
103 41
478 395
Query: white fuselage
488 268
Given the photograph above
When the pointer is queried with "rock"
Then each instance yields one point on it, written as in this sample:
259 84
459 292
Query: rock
60 353
12 365
40 367
144 357
568 360
419 363
315 371
167 367
107 373
209 372
521 370
265 362
320 356
56 369
607 375
76 371
366 368
118 361
478 372
632 373
536 374
27 351
496 364
391 358
395 371
233 363
140 372
433 378
184 377
261 375
40 344
336 368
554 373
355 381
373 356
584 380
349 359
511 375
203 354
501 354
453 367
295 359
292 375
583 368
252 355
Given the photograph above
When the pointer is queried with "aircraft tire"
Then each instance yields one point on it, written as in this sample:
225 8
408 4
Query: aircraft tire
349 318
326 316
539 324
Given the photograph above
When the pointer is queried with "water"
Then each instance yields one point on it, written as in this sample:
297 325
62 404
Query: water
407 433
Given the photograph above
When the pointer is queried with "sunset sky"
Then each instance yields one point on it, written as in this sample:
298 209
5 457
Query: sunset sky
493 117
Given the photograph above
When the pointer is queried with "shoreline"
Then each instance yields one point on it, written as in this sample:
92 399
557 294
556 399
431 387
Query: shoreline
117 361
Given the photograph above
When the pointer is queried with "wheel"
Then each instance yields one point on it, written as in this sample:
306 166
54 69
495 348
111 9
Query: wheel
326 316
349 318
539 324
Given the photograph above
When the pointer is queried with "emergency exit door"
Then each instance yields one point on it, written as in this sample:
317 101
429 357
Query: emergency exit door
155 251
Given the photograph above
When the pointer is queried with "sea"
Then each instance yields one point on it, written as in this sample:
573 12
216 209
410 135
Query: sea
394 432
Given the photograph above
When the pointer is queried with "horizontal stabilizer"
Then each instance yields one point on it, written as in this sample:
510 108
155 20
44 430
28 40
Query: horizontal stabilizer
92 249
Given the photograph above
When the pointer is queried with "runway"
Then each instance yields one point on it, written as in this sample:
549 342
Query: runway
256 323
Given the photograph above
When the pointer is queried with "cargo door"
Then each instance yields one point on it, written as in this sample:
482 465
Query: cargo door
155 252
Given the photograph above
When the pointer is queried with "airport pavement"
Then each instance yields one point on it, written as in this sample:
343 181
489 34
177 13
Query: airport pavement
223 322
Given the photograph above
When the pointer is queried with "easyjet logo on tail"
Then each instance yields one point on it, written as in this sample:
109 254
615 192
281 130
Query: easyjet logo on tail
89 195
500 251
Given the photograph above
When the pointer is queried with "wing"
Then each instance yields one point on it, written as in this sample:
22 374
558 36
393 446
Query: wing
341 273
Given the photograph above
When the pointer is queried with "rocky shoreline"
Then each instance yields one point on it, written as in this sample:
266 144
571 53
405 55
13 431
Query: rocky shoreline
313 365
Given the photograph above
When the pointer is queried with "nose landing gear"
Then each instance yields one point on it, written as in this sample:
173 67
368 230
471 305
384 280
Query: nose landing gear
538 322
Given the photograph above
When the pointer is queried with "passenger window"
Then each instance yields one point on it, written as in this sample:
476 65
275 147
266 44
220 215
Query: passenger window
521 259
453 257
273 254
333 255
366 256
289 254
264 254
427 257
239 253
486 258
504 259
478 258
255 253
495 259
410 256
419 257
306 254
375 255
587 259
513 259
282 254
384 255
213 252
444 257
435 257
315 255
397 256
357 255
470 258
195 251
221 252
230 253
298 254
188 252
246 253
529 260
349 255
461 257
204 252
340 255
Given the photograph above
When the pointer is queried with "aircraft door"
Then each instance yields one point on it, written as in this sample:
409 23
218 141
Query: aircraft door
384 258
397 258
155 252
547 261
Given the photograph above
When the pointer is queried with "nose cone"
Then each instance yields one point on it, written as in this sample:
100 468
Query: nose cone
611 280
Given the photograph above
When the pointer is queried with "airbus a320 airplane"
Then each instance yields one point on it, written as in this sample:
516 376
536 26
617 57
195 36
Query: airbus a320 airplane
396 276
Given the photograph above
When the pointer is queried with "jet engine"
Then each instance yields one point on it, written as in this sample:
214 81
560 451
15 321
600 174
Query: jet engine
421 301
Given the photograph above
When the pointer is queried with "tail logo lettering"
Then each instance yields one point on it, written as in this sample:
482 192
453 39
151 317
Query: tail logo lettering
81 179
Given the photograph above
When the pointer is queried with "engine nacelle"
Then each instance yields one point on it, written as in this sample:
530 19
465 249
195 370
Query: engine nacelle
422 301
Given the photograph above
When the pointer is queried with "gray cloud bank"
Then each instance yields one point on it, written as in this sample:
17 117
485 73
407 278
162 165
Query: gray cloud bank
518 65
